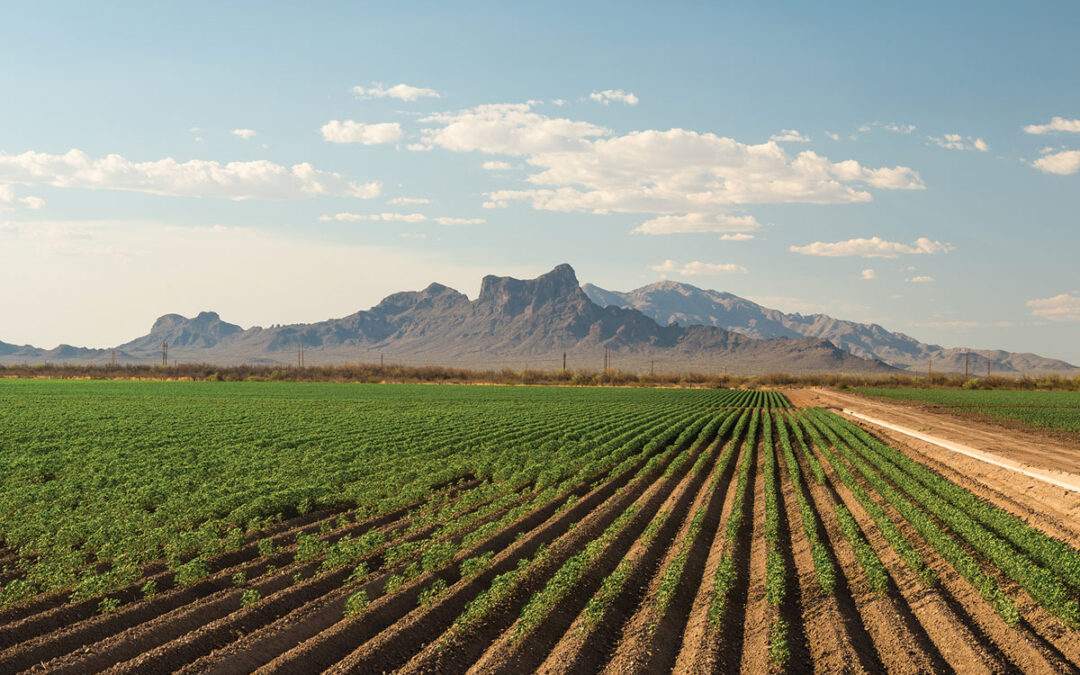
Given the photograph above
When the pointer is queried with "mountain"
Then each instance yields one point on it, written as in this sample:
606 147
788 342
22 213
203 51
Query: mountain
512 323
669 302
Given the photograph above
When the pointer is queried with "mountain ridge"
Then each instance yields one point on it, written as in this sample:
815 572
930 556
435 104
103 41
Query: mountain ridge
670 301
511 321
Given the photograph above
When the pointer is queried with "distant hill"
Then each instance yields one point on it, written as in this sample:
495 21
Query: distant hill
672 302
513 323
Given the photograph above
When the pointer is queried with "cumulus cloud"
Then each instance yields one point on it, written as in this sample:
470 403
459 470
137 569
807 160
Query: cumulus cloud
351 131
789 136
1063 163
874 247
958 142
1061 307
869 274
448 220
348 217
738 236
690 223
496 166
505 129
696 268
609 96
1056 124
680 171
922 279
9 200
402 92
195 178
409 201
833 135
244 133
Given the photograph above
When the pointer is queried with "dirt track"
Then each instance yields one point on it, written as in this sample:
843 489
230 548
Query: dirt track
1053 509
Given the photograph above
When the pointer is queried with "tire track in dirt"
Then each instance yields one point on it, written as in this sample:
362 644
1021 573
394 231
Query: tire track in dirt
754 654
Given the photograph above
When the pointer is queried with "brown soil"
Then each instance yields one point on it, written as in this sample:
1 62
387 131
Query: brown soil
650 640
698 645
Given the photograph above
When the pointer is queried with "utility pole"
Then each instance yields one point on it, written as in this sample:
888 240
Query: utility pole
652 367
564 362
930 369
988 366
382 363
164 354
967 359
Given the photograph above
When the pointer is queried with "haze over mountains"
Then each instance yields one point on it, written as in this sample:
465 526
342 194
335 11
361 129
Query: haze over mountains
512 323
672 302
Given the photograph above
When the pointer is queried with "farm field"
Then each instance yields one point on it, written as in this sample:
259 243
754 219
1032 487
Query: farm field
1056 410
300 527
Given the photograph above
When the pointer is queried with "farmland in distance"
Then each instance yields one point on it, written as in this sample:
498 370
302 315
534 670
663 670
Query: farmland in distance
300 527
1054 410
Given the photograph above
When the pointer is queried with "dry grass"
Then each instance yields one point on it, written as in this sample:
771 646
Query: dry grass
440 374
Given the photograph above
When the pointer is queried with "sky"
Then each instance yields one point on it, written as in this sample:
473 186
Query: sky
916 166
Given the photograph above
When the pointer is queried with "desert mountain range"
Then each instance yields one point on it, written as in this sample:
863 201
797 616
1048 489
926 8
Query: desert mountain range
518 323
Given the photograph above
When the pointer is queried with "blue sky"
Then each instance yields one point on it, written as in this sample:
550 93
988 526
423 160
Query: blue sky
924 171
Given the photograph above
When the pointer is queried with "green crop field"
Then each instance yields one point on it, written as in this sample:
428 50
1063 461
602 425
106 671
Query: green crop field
117 474
327 527
1046 409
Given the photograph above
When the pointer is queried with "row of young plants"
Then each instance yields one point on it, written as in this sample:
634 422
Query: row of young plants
1046 588
726 575
824 570
925 524
868 559
776 576
1045 550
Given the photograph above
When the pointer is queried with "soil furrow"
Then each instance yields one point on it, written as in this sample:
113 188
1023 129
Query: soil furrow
542 526
648 640
394 648
524 653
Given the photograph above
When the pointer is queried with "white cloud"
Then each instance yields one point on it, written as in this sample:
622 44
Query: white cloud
1063 163
244 133
874 247
1061 307
496 166
447 220
558 102
739 236
409 201
195 178
869 274
696 268
680 171
402 92
789 136
697 223
833 135
9 200
346 217
506 129
609 96
351 131
1058 124
958 142
923 279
